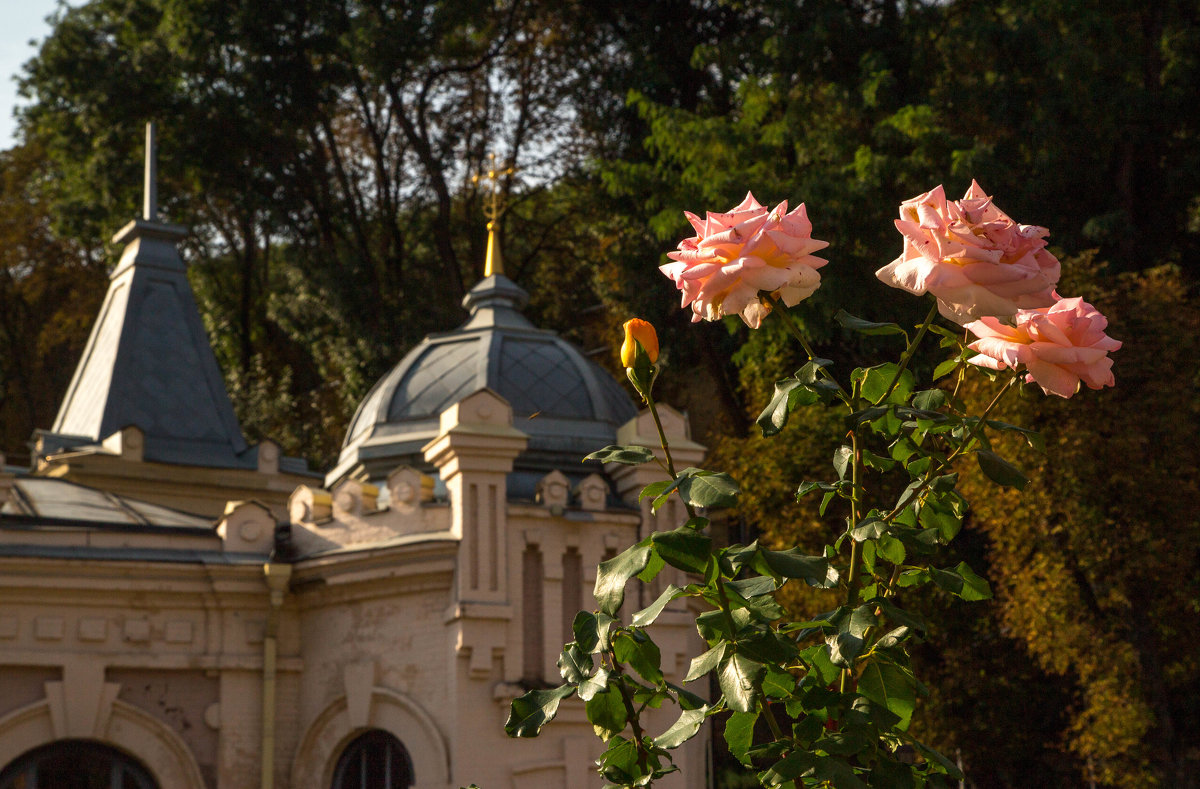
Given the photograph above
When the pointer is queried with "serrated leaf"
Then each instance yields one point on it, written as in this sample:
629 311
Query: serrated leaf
574 664
777 683
999 470
861 326
875 381
627 455
842 457
889 686
869 529
655 489
962 581
739 678
684 548
607 712
945 368
891 549
709 489
594 684
813 570
529 713
684 729
788 768
929 399
648 614
641 653
705 663
739 734
612 575
789 395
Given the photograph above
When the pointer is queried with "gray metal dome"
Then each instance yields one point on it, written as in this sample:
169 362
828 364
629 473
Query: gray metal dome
567 404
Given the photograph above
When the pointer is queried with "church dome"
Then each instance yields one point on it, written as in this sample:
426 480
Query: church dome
568 405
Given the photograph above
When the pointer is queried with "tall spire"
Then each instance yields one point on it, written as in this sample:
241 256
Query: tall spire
492 262
148 361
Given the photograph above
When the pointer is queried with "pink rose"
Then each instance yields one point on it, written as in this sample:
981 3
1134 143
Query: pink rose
1059 346
971 256
733 256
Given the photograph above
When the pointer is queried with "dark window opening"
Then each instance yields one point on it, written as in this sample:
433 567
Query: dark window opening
374 760
76 764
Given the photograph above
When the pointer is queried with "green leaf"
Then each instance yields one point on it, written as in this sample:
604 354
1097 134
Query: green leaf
591 630
607 712
861 326
929 399
778 683
709 489
891 549
684 729
961 580
842 458
628 455
810 373
790 394
869 529
655 489
999 470
612 575
739 734
787 769
640 652
1032 437
648 614
890 686
739 678
705 663
529 713
594 684
575 664
945 368
875 381
683 548
814 570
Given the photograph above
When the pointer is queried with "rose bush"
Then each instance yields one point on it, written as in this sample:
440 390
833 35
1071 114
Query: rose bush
971 256
734 255
1059 346
823 700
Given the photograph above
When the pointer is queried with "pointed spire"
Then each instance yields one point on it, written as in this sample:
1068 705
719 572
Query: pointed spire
148 361
492 262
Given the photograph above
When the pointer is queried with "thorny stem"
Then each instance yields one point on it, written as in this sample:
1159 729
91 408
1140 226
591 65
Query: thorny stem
794 330
906 357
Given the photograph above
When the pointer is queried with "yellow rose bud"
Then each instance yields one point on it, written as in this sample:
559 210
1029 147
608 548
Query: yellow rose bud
638 333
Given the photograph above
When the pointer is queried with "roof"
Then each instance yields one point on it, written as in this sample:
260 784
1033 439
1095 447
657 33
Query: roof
148 363
567 404
57 502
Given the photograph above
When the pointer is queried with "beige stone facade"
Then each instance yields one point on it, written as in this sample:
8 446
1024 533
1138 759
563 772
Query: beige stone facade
419 616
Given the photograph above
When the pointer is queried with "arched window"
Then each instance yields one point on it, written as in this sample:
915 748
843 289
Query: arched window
76 764
374 760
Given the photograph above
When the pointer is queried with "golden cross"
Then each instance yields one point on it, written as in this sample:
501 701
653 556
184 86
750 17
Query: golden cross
492 210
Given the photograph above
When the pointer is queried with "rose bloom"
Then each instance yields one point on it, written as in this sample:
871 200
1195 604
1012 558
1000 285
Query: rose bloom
972 257
733 256
1059 346
638 333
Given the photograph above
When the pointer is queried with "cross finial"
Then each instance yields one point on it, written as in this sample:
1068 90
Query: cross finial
492 210
150 188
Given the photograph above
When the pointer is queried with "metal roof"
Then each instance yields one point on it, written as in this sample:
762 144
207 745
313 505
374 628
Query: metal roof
148 363
567 404
45 501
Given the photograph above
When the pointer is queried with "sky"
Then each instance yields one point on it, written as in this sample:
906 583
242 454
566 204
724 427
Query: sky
20 22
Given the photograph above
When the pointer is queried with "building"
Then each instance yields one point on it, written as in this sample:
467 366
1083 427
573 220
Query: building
183 611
